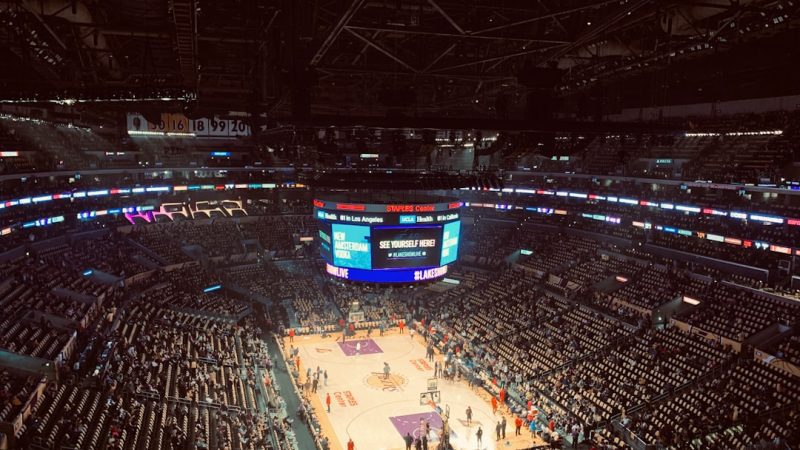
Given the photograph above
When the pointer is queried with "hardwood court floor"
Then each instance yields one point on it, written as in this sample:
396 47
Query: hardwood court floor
373 411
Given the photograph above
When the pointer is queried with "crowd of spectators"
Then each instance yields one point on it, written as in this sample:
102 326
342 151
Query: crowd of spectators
749 406
593 362
174 366
154 363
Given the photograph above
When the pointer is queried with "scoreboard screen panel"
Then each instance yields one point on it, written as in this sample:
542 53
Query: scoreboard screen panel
403 247
450 238
352 246
388 243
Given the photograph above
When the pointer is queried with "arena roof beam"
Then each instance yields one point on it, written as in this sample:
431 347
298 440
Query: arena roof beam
377 47
555 19
446 16
330 70
712 34
132 32
605 24
365 47
550 15
498 58
185 20
335 32
417 31
439 58
38 16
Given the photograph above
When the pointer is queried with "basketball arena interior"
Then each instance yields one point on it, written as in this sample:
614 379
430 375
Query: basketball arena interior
399 224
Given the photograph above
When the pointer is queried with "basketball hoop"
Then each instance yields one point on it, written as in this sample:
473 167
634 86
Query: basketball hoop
431 398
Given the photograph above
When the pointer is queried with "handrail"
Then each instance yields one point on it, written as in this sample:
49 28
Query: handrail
629 436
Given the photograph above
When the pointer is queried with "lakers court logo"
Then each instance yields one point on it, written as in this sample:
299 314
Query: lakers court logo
379 381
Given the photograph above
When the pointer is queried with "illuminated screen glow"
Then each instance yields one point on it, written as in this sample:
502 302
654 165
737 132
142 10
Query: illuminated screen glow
351 246
325 241
450 239
362 243
387 276
403 247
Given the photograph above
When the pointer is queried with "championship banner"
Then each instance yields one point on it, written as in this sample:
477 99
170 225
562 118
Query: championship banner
179 123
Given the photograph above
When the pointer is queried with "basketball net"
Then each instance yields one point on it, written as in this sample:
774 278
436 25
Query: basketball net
433 406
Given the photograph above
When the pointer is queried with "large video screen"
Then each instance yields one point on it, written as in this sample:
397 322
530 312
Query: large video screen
404 247
325 240
388 243
450 239
352 246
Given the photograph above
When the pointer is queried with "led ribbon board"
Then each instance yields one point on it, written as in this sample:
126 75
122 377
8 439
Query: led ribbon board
387 276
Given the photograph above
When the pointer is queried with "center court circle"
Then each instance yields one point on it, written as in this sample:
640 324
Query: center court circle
378 381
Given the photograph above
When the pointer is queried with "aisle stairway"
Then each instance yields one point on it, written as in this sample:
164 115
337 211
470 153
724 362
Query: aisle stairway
284 383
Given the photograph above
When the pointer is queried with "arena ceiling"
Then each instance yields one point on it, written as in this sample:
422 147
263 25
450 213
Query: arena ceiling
449 58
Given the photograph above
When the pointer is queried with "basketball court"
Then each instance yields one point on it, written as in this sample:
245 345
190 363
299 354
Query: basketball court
377 411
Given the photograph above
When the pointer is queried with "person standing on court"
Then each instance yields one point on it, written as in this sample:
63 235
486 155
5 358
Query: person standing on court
504 423
291 334
386 370
469 416
351 445
533 427
479 435
518 425
328 401
325 377
409 440
494 405
498 428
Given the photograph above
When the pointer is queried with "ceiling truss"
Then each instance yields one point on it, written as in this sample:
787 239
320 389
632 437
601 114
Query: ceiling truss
374 56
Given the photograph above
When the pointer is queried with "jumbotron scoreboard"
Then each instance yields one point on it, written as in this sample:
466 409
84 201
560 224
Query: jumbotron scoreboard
385 242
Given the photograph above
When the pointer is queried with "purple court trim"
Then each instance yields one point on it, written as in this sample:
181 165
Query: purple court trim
368 347
410 424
